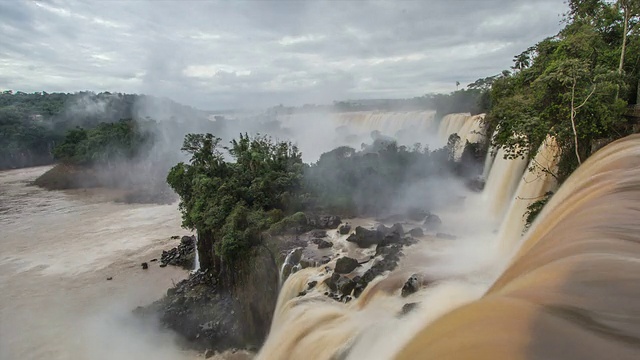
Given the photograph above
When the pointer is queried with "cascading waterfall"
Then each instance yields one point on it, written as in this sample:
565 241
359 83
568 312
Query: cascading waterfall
539 307
196 261
388 122
469 129
537 181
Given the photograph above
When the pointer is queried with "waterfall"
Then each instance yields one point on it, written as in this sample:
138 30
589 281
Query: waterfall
388 122
469 128
502 182
536 182
196 260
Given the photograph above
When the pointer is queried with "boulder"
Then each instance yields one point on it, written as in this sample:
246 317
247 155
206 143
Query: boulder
432 222
145 266
416 232
476 184
323 244
365 238
345 265
332 281
319 233
345 285
407 308
411 286
417 214
345 229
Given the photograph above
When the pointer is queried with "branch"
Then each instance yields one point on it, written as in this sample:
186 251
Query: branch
588 96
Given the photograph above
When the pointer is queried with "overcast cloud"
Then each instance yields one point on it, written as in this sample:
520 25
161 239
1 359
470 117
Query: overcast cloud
229 54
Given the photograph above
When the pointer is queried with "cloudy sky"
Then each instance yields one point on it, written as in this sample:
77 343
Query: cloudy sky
228 54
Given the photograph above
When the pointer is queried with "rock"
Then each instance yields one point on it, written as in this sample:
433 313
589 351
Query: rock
411 286
209 353
365 238
319 233
345 229
311 285
407 308
446 236
345 285
286 270
294 256
345 265
153 260
163 265
145 266
332 281
188 240
416 232
417 214
432 222
304 263
323 244
325 260
110 278
174 237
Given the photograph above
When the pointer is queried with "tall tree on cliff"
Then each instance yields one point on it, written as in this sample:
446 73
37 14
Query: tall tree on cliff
230 203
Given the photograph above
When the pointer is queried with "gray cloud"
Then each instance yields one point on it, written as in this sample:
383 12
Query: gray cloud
231 54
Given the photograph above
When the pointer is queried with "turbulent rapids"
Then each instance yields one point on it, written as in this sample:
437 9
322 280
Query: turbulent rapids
567 288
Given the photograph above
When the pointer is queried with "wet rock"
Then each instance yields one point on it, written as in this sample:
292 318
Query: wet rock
432 222
182 255
416 232
365 238
332 281
209 354
446 236
325 260
153 260
323 244
411 286
110 278
345 265
476 184
311 285
144 265
407 308
304 263
417 214
345 285
345 229
174 237
319 233
286 270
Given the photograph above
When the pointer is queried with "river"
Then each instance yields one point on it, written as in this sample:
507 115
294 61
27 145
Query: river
57 249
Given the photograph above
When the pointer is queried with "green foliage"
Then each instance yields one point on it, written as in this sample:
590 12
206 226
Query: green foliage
570 79
236 200
103 145
534 209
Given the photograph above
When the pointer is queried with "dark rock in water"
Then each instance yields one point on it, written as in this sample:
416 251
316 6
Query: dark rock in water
311 285
175 237
323 244
416 232
365 238
392 235
294 256
188 240
182 255
145 266
209 353
446 236
319 233
304 263
411 286
407 308
153 260
332 281
345 265
345 229
417 214
432 222
110 278
325 260
324 221
345 285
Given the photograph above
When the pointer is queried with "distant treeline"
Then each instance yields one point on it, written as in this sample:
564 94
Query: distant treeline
32 124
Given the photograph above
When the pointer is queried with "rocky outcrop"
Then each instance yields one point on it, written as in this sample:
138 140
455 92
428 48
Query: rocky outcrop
411 286
182 255
416 232
344 229
432 222
345 265
322 244
365 238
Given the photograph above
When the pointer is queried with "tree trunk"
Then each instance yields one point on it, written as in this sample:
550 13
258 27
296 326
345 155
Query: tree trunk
627 12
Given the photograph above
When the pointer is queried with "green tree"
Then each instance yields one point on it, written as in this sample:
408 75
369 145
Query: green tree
230 203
